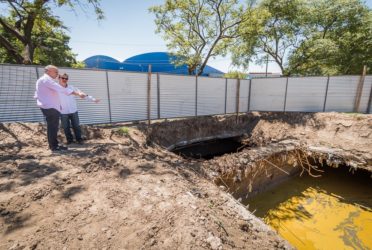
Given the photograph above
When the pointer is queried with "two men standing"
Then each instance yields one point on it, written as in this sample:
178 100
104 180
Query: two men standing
48 92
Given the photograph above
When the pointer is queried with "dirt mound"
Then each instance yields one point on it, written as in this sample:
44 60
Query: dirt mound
114 192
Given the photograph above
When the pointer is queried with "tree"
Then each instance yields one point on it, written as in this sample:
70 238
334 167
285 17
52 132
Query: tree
309 37
273 28
197 30
340 41
32 27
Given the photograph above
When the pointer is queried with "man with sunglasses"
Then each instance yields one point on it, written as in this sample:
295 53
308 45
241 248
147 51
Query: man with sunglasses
69 111
47 95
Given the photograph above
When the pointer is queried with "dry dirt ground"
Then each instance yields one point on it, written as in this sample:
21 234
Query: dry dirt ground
126 191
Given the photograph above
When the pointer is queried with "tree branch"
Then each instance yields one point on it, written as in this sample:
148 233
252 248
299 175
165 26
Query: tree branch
11 49
12 30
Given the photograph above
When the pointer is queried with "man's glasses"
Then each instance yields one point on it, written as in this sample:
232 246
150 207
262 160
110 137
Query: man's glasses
64 78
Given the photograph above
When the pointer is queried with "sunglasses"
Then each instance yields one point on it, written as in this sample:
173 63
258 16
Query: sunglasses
64 78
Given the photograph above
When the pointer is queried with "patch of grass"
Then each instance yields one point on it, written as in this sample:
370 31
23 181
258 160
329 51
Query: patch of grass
123 131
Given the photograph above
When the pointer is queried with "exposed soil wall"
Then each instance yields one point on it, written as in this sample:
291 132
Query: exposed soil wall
346 136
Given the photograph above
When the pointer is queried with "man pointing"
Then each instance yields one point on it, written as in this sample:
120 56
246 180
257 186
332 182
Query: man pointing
47 89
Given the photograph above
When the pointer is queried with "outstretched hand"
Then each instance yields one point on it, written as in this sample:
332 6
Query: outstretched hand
82 95
97 100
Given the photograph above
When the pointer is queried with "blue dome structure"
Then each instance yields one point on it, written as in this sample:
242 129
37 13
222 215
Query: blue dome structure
161 62
102 62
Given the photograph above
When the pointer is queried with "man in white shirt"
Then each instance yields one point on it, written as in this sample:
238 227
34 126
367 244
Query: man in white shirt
69 111
47 89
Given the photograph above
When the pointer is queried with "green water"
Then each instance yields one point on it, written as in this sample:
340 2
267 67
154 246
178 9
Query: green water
330 212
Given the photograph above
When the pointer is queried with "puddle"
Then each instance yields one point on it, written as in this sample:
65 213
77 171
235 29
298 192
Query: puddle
330 212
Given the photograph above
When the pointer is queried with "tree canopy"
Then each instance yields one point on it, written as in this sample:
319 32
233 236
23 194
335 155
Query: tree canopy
31 33
308 37
339 40
197 30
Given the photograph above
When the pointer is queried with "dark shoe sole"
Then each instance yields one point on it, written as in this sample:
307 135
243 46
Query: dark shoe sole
61 148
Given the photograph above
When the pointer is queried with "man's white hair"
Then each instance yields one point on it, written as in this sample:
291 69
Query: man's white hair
47 68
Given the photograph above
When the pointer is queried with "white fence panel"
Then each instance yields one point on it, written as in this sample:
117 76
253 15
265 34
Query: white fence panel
124 94
211 96
341 93
365 94
306 94
154 97
243 95
17 89
128 95
231 95
268 94
92 83
177 96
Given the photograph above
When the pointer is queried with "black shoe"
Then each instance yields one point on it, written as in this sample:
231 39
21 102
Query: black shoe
59 148
80 142
69 142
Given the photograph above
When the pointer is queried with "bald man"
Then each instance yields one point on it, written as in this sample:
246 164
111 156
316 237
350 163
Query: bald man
47 89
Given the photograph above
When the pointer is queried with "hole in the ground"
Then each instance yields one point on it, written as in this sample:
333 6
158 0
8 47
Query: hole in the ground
316 213
210 148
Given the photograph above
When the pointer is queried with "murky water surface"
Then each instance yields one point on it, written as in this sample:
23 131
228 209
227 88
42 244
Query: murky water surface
331 212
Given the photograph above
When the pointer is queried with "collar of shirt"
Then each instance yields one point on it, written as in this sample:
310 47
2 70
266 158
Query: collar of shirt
48 76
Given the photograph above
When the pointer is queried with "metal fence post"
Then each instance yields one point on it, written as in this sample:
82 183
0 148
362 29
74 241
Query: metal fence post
369 101
249 95
196 95
225 94
237 98
37 73
149 96
326 95
358 94
108 96
158 86
285 95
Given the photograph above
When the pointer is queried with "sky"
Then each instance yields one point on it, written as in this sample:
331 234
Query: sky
127 30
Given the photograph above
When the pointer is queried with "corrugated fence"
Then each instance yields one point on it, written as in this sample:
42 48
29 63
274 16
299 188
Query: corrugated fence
124 95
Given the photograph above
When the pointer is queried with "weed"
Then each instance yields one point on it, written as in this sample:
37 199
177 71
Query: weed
123 131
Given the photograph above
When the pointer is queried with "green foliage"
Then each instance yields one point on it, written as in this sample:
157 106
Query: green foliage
123 131
340 40
272 29
195 30
236 75
308 37
78 65
31 33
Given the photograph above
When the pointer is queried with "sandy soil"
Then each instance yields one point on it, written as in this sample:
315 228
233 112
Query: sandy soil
126 191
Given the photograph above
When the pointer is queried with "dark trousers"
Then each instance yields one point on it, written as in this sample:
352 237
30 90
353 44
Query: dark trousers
52 119
68 121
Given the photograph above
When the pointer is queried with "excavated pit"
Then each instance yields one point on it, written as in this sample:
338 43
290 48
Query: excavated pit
261 153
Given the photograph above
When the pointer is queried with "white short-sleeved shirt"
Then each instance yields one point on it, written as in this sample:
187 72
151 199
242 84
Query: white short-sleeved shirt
68 102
